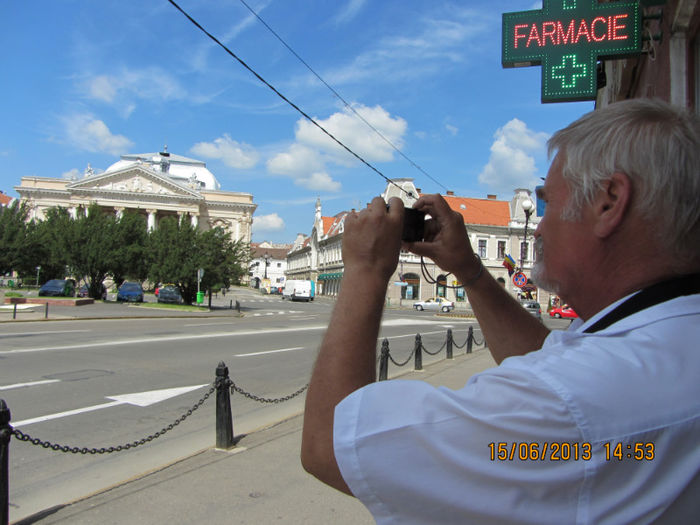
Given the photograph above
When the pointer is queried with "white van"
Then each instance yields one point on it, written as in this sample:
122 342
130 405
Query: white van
296 290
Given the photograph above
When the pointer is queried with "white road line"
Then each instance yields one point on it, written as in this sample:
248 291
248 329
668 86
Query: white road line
11 334
32 383
163 339
270 351
40 419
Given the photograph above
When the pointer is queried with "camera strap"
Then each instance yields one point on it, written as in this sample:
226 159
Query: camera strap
649 296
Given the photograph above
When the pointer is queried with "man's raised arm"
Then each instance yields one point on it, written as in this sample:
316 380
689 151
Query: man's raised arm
508 328
347 359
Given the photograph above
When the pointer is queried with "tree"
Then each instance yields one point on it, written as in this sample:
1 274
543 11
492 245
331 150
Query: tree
173 255
50 241
130 259
93 248
178 249
13 235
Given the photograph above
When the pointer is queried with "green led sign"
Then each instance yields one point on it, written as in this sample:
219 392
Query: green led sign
567 37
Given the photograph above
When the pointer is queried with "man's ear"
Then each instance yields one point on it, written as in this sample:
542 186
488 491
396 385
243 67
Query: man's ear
612 204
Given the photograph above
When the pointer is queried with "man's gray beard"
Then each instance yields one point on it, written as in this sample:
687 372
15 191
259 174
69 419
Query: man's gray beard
539 274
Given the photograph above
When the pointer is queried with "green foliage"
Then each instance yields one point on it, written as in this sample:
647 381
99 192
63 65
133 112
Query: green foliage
13 233
97 244
130 257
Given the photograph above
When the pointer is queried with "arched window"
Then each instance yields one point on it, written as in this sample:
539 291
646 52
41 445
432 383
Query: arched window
412 288
441 286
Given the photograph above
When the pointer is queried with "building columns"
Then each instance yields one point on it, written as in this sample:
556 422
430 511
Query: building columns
151 220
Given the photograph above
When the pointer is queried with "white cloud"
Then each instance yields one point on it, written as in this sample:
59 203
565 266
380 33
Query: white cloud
427 48
318 181
298 160
512 162
85 132
234 154
268 223
452 130
351 9
120 89
355 134
71 174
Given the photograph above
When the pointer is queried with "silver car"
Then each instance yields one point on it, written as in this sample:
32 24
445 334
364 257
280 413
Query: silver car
534 308
434 304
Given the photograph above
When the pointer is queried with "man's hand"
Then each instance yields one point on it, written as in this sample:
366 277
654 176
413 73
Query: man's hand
446 241
372 238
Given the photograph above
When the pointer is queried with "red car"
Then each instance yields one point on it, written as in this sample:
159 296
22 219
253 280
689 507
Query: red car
563 311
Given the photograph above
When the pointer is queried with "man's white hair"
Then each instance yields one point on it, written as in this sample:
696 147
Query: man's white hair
657 146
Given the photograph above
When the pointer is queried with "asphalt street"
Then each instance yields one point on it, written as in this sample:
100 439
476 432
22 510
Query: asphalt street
109 374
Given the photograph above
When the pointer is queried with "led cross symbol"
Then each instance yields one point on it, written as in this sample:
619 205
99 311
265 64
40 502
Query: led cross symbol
567 38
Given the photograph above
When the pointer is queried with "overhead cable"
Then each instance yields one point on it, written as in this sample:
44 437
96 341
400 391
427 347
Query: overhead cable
346 103
292 104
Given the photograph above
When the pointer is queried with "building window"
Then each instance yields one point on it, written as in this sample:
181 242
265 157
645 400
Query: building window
482 248
501 249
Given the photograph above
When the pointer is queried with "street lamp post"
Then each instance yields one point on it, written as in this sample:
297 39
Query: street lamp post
267 263
37 275
527 208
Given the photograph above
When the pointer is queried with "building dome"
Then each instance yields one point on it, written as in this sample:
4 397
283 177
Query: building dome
182 170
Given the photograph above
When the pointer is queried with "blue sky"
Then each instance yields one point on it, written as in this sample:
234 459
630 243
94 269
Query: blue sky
85 81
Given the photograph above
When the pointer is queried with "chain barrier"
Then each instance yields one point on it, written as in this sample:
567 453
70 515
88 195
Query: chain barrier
462 345
21 436
236 388
433 353
405 362
477 343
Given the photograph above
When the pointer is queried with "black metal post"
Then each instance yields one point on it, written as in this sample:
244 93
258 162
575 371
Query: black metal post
230 304
5 435
470 339
46 311
384 361
418 351
449 343
224 420
14 311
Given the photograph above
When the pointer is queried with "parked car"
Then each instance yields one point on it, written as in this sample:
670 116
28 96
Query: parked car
58 288
533 307
434 304
563 311
169 294
83 292
130 292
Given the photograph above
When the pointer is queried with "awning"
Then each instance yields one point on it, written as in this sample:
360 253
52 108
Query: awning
330 276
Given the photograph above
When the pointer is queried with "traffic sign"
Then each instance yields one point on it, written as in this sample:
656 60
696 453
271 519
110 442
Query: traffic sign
519 279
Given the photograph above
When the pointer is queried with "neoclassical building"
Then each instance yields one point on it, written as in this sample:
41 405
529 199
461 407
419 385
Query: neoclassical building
155 185
496 228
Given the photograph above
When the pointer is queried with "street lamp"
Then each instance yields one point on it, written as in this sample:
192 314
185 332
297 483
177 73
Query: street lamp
527 208
267 263
37 275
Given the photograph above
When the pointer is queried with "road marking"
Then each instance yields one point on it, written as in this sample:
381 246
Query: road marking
212 335
32 383
270 351
141 399
11 334
19 306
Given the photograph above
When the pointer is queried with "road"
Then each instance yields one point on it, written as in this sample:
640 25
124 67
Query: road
73 383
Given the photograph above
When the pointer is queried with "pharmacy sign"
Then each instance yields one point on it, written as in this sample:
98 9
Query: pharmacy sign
567 38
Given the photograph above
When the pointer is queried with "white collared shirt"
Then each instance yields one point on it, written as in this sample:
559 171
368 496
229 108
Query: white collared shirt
414 453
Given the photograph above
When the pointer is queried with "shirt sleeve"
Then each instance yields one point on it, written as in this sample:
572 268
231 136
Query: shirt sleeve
414 453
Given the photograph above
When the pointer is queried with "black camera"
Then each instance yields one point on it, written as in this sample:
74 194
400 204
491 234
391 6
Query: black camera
413 225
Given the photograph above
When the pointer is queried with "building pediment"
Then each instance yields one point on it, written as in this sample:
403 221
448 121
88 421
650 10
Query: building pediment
133 180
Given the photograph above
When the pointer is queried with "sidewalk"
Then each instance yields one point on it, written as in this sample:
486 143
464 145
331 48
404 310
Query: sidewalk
260 481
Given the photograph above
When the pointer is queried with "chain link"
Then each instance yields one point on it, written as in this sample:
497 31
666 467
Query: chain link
433 353
236 388
405 362
84 450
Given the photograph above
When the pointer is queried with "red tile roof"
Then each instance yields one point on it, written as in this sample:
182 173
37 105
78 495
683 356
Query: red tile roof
4 199
480 211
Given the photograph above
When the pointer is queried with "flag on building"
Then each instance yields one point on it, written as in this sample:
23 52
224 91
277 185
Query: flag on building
509 263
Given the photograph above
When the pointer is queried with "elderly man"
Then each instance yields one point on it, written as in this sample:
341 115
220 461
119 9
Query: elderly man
607 413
